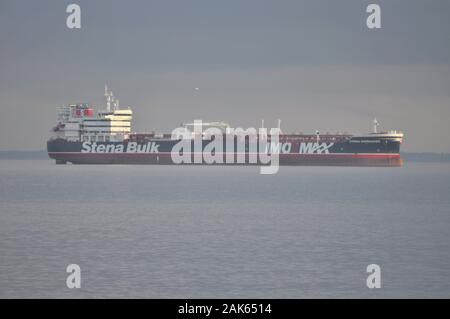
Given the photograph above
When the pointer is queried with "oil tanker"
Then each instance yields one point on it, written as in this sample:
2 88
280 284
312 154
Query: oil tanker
83 136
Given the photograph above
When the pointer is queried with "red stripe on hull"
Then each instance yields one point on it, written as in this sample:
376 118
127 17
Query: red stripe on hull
285 159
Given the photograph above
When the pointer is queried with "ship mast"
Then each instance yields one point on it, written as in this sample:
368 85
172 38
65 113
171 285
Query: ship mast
111 100
108 99
375 125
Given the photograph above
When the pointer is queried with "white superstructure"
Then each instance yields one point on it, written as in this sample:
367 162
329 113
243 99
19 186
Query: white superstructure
77 122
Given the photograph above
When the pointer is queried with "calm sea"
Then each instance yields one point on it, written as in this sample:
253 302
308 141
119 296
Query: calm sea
223 232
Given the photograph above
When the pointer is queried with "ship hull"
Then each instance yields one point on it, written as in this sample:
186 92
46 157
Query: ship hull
156 152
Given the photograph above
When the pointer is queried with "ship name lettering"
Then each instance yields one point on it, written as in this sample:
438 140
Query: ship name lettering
275 148
150 147
315 148
88 147
132 147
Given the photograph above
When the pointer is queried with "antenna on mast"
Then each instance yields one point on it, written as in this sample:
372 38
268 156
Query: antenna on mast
113 101
108 99
375 125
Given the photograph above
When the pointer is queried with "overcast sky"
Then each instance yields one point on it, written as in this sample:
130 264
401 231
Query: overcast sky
314 64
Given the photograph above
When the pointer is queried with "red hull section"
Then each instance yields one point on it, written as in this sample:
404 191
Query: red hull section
285 159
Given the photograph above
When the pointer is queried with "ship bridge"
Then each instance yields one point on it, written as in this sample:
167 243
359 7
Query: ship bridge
76 122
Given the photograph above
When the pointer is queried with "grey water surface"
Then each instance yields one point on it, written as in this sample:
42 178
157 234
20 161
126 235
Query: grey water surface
223 232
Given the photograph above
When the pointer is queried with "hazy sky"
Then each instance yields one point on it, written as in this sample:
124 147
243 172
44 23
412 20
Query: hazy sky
314 64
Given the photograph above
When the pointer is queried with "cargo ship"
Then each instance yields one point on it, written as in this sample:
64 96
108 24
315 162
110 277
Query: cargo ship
83 136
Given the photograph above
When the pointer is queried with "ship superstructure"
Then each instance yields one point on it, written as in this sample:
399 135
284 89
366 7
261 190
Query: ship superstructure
78 122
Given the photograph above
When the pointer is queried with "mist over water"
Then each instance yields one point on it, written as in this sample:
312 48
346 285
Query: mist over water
223 232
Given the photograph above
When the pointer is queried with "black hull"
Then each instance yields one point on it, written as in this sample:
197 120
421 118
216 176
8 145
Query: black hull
158 152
